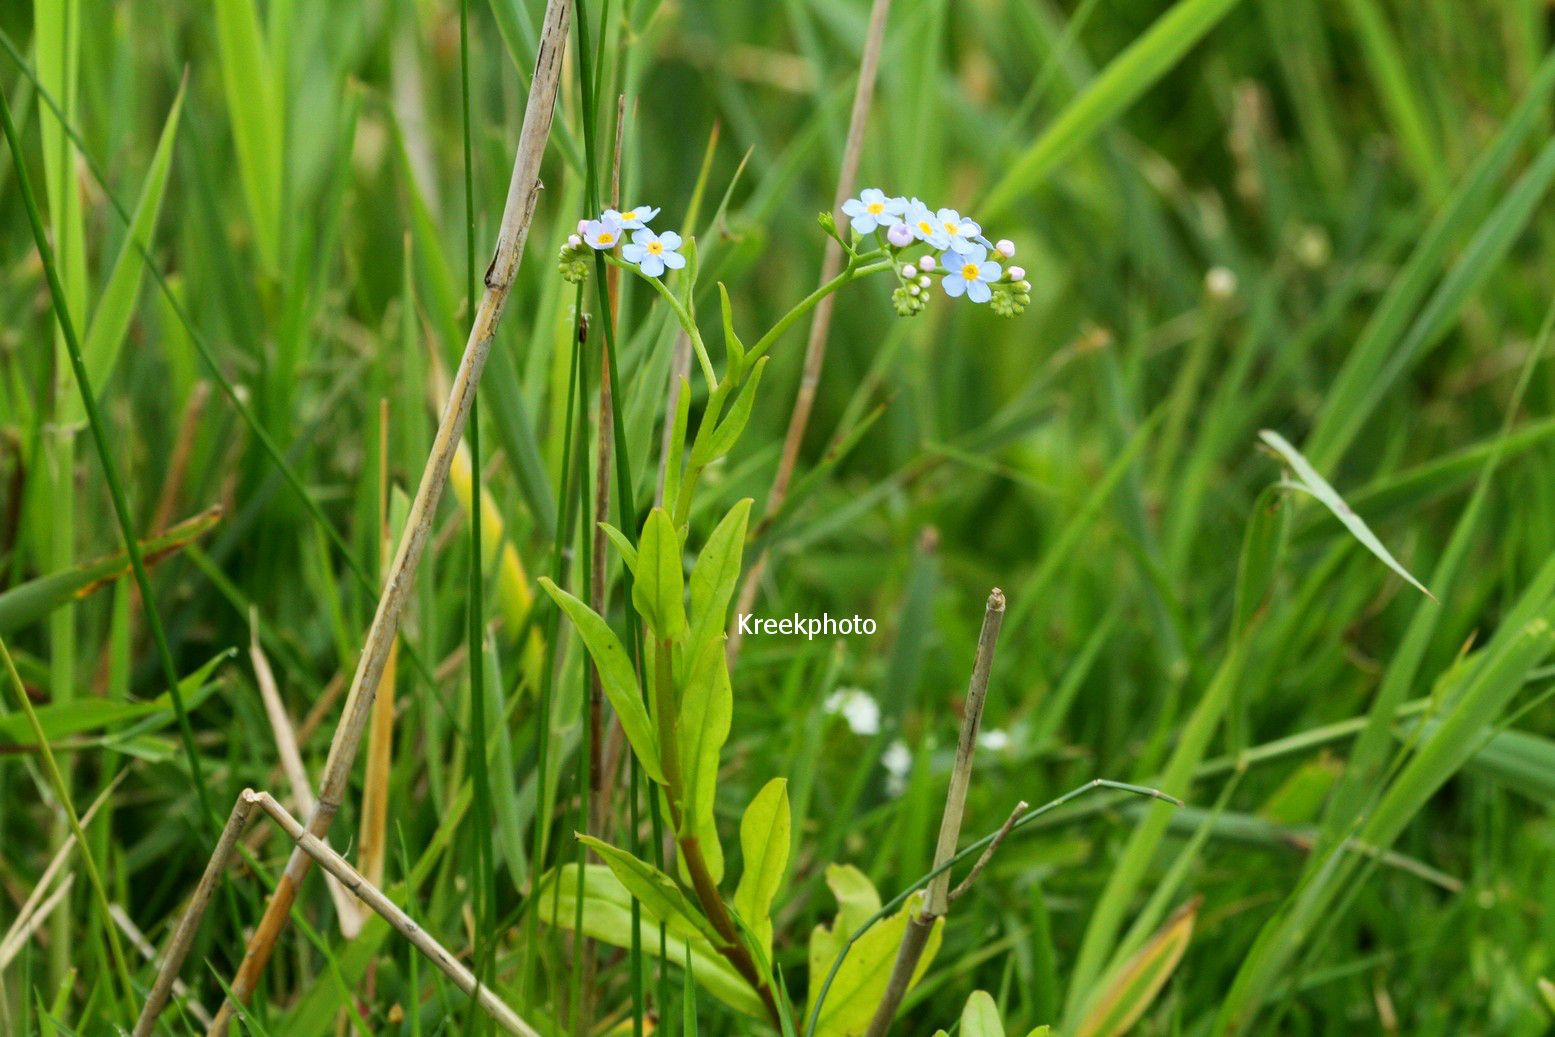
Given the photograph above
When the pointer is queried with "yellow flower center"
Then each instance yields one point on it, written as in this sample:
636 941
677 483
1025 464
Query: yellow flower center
876 208
629 215
969 271
605 237
655 247
925 227
951 228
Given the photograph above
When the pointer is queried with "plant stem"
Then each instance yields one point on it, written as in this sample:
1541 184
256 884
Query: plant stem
523 193
937 902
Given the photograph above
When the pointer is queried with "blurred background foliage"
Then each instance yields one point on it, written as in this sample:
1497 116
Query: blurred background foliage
1096 458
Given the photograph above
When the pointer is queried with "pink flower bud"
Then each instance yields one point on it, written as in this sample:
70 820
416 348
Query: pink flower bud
1005 247
573 241
1016 273
583 227
927 263
909 271
898 235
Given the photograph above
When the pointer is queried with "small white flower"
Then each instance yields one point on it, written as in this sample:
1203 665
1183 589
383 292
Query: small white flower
872 210
959 232
993 740
857 707
928 263
897 761
653 252
1016 273
604 233
899 235
1220 283
972 275
635 219
1005 248
926 227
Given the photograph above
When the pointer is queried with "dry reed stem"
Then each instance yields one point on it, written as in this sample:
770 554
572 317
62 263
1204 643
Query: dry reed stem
820 321
380 735
291 762
936 900
341 870
523 193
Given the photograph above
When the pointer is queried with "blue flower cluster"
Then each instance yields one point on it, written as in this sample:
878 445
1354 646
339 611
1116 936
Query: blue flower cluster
650 252
967 263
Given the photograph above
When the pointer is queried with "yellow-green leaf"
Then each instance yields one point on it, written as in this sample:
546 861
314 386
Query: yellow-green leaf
861 981
1121 1003
716 572
706 709
980 1017
607 917
615 675
765 832
659 592
656 891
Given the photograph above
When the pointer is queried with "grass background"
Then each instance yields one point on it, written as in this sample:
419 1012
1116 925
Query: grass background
1372 176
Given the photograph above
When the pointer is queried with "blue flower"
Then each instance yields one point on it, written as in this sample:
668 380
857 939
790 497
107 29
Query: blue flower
635 219
962 234
925 227
653 252
604 233
971 275
872 209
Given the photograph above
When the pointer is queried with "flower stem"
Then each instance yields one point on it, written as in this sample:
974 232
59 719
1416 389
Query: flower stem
856 268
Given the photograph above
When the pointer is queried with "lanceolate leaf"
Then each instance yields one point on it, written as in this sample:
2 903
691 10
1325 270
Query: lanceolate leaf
31 601
111 319
1309 480
618 538
728 431
657 892
616 676
607 917
706 710
659 591
1119 1006
765 833
716 572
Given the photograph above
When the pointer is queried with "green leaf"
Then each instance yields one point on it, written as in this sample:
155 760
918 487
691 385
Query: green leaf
623 544
728 431
615 674
1263 548
980 1017
254 108
732 344
607 917
674 461
1119 1006
111 318
716 572
64 719
861 981
31 601
706 710
1309 480
765 834
656 891
659 591
1122 82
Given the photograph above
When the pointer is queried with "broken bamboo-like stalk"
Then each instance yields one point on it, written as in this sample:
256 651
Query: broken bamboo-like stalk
523 192
936 900
341 870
